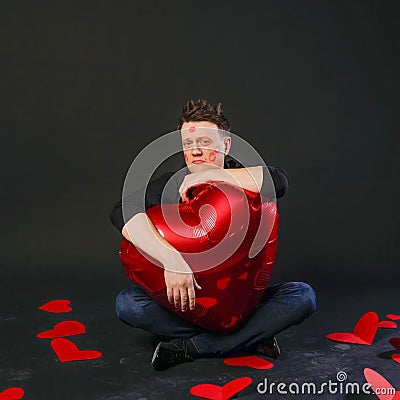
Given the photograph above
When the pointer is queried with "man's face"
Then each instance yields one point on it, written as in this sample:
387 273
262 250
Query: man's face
203 146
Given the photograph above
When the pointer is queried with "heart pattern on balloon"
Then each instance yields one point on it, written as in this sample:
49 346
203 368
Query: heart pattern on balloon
206 302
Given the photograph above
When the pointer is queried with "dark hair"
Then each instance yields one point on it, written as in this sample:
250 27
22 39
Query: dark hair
202 110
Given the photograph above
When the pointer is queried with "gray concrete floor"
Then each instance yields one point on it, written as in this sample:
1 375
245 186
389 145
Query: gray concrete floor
124 370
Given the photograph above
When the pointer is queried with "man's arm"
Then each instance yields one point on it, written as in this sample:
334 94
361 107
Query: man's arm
179 277
140 231
251 178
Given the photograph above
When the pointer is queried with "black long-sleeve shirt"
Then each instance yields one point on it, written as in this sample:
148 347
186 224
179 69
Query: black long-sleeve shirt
136 202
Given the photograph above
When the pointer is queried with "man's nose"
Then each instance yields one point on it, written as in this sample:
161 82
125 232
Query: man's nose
196 150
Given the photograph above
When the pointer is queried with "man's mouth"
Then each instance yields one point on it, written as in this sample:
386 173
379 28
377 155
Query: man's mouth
198 162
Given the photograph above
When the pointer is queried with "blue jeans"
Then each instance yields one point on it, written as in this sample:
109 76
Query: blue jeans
284 305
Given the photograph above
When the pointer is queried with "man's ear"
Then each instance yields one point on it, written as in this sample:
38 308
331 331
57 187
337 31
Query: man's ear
227 144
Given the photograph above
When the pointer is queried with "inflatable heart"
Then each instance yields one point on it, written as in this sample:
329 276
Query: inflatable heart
214 231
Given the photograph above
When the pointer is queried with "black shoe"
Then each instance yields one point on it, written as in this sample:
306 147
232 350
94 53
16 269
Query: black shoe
169 354
155 339
269 348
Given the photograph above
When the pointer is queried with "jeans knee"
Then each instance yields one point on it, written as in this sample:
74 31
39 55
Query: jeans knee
120 303
127 308
307 297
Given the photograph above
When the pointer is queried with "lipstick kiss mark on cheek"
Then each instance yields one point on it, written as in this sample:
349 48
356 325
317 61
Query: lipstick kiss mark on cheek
212 156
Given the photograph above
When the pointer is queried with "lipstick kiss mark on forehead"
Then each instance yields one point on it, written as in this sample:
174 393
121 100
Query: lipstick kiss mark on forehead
192 129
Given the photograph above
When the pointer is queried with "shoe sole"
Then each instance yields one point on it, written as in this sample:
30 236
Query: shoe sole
278 349
155 354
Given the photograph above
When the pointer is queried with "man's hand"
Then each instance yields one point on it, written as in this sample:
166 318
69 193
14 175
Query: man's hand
180 283
194 179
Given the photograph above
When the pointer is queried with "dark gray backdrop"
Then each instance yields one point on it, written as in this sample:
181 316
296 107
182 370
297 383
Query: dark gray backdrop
313 85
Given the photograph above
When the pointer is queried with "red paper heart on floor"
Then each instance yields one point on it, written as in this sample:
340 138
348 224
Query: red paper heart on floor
14 393
56 306
363 333
394 317
68 351
62 329
396 357
377 381
395 342
387 324
249 361
215 392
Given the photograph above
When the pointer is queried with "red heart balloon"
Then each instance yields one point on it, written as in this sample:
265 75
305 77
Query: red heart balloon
14 393
215 392
62 329
363 333
68 351
249 361
378 382
220 223
56 306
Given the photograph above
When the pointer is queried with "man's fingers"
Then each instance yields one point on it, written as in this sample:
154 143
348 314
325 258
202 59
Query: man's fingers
177 298
181 290
192 297
184 299
170 295
196 284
